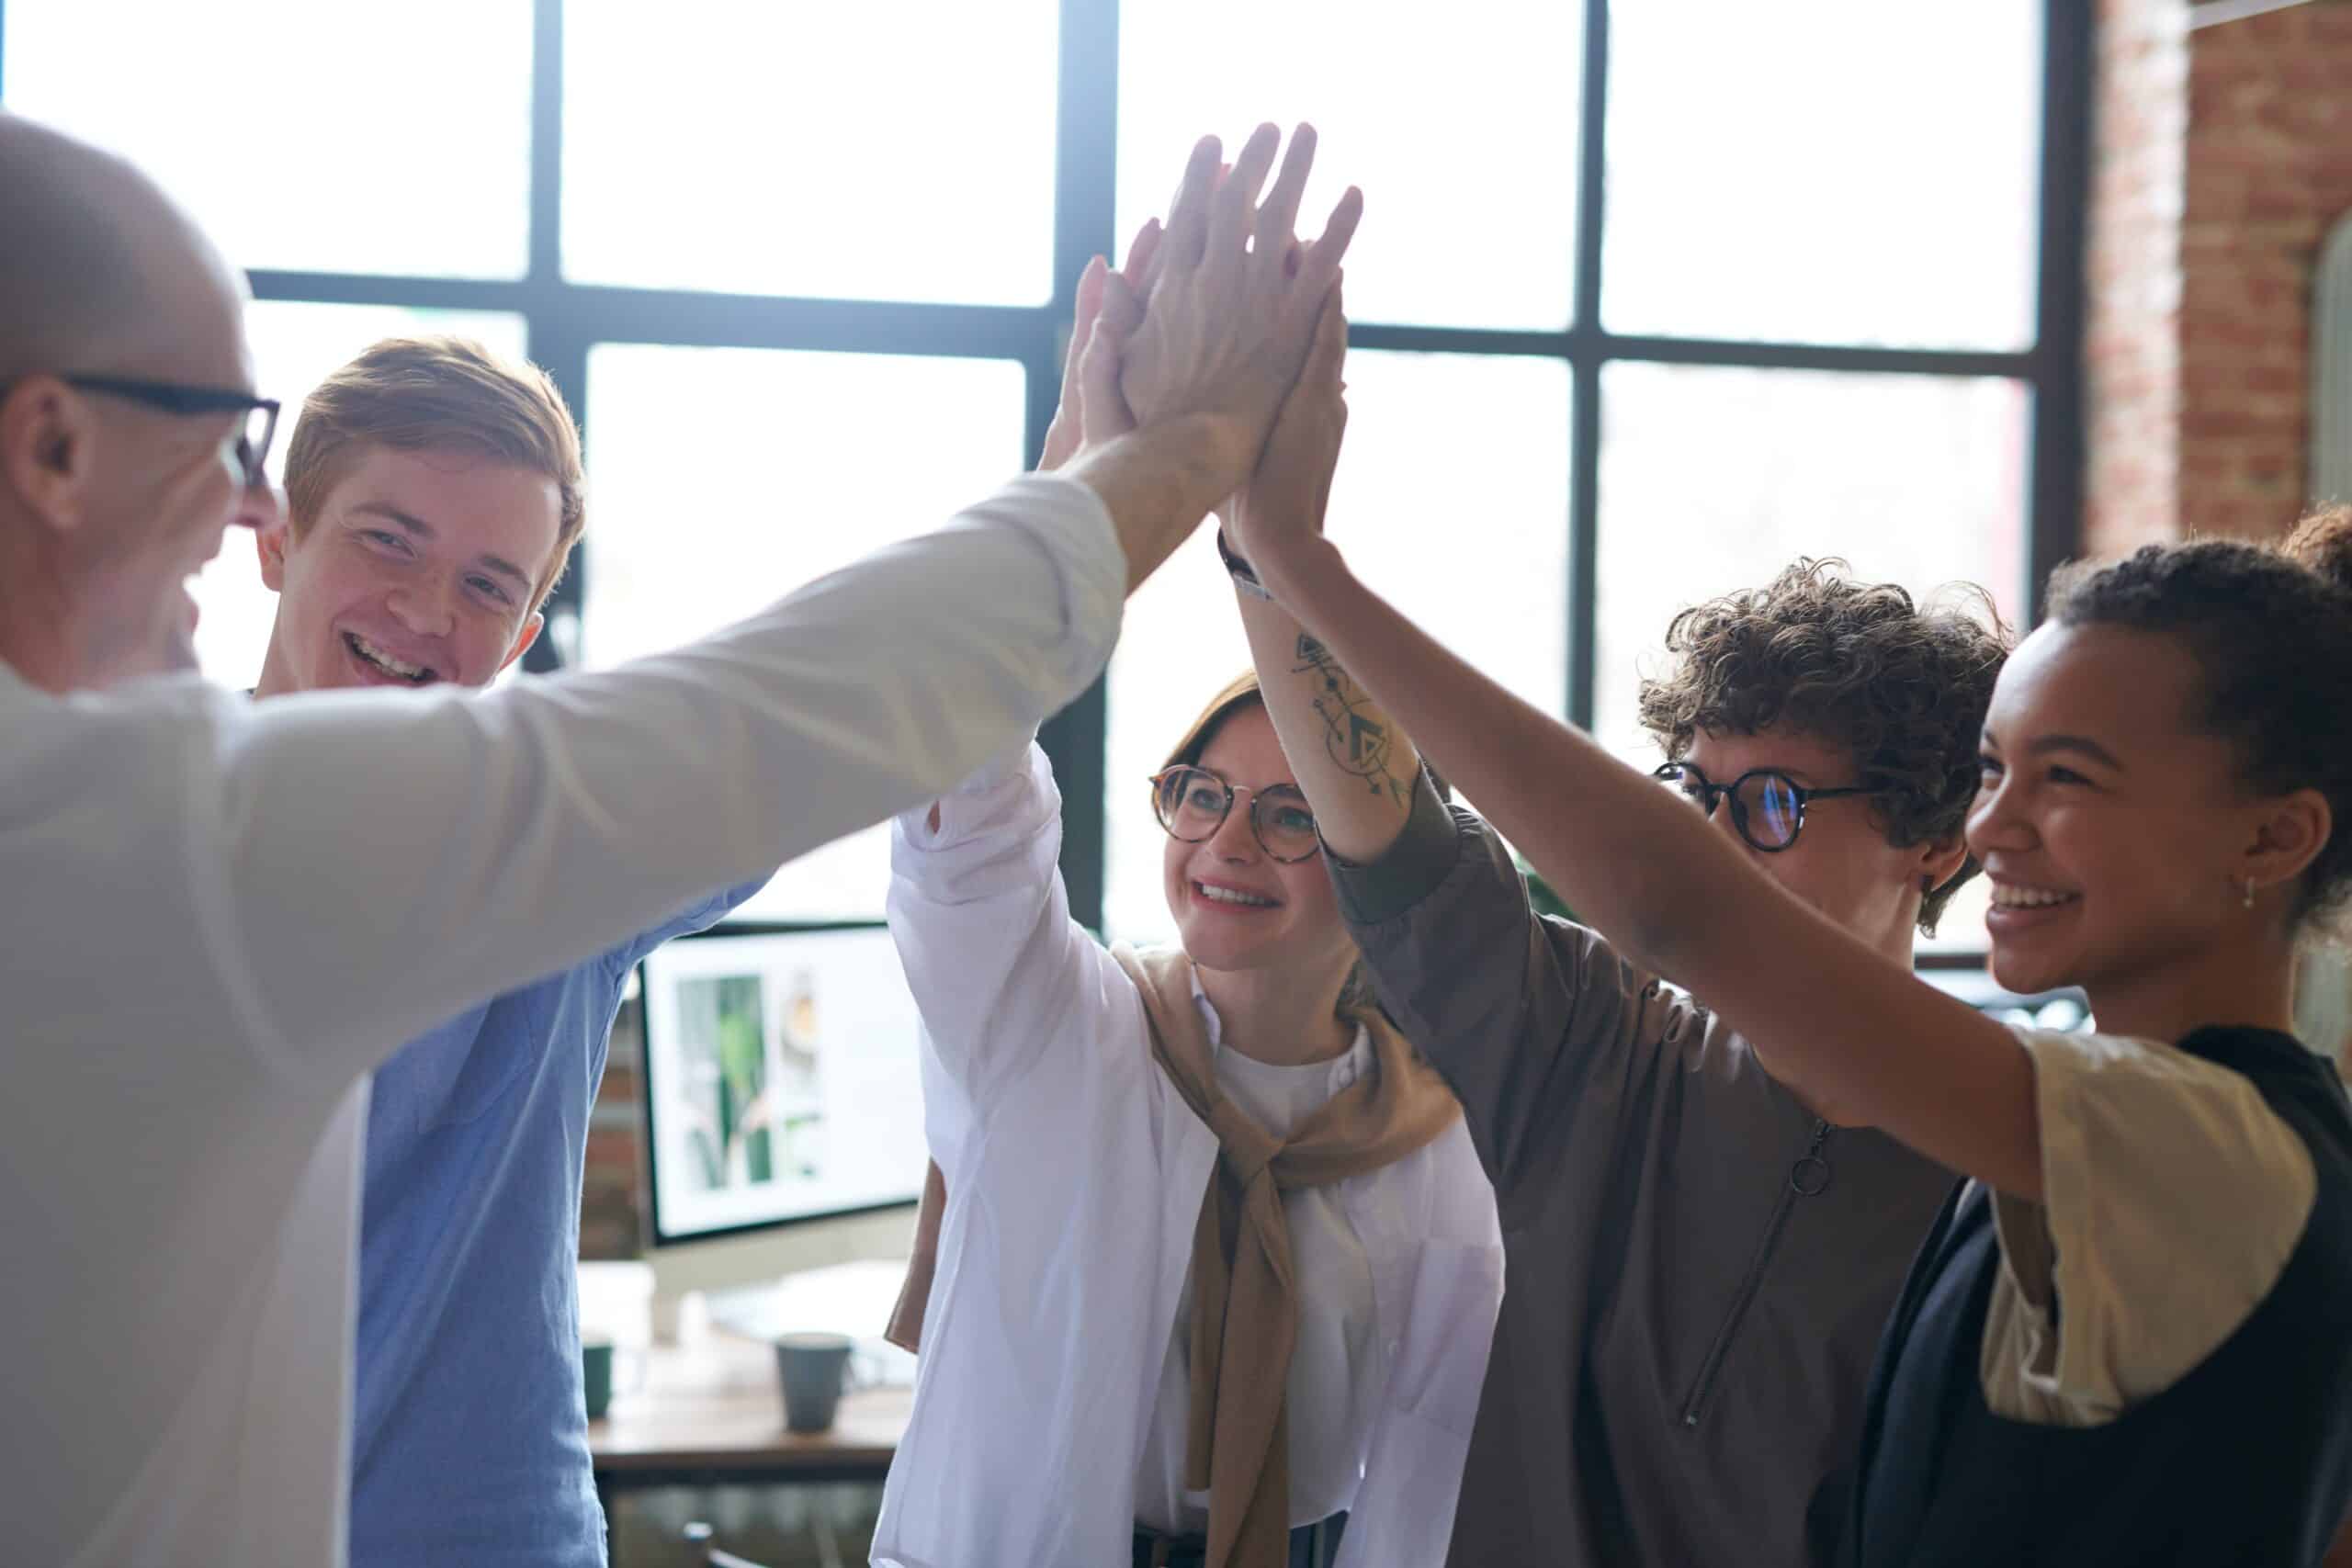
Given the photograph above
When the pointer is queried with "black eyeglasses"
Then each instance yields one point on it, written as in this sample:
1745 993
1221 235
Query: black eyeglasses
254 437
1193 804
1767 805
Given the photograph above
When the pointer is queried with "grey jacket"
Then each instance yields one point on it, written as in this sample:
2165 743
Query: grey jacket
1697 1269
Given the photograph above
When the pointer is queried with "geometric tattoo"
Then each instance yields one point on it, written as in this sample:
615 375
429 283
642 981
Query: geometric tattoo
1353 733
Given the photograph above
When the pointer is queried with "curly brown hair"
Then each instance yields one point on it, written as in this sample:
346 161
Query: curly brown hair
2271 629
1859 665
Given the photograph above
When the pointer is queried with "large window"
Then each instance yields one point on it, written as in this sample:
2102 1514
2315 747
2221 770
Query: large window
1648 300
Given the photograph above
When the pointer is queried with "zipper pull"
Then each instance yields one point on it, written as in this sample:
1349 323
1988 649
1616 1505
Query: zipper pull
1809 1178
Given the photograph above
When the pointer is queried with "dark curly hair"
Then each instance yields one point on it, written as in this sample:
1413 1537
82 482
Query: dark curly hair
2270 626
1859 665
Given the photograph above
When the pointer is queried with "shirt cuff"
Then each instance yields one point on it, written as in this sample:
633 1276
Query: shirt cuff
1424 854
966 806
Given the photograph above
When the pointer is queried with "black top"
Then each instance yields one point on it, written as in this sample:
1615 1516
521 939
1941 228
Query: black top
2246 1459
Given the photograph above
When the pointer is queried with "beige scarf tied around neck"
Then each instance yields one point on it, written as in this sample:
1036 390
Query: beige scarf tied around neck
1245 1303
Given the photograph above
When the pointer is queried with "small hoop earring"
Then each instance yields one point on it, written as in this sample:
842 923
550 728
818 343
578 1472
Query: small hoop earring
2249 892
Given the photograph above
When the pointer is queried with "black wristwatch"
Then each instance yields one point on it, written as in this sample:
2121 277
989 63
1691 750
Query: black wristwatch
1245 577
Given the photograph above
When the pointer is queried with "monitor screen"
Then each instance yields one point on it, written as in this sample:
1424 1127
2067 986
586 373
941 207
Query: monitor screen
781 1078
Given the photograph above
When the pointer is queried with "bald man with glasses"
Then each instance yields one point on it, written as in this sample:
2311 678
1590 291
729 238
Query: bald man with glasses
220 915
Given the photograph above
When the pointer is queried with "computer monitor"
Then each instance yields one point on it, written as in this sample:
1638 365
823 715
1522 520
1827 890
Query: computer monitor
782 1080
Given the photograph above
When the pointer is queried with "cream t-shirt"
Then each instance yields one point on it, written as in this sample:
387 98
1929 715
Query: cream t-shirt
2172 1199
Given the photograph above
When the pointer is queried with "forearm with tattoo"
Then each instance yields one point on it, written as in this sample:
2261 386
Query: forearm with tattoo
1355 765
1356 733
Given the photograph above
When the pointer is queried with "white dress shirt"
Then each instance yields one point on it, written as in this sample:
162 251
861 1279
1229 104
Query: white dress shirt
216 918
1075 1174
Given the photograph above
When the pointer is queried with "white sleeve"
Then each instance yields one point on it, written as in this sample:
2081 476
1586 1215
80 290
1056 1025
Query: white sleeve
2172 1199
997 968
373 864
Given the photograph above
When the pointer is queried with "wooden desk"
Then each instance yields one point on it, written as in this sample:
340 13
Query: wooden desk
712 1414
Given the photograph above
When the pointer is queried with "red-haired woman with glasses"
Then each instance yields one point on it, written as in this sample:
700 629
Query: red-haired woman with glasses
1207 1271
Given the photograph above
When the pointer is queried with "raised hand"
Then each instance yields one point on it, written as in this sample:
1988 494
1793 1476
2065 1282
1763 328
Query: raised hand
1285 499
1234 302
1062 436
1102 408
1098 287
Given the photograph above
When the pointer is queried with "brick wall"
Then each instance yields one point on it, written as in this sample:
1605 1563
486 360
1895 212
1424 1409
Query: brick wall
2270 173
2225 156
2131 316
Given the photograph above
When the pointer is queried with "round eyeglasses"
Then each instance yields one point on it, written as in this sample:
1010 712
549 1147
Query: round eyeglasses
1767 805
1193 804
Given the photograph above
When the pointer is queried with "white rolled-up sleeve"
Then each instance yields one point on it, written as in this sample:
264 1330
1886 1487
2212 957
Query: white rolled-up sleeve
1001 973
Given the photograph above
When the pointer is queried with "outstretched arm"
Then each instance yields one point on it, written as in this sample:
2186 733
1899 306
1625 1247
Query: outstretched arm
1357 767
1676 895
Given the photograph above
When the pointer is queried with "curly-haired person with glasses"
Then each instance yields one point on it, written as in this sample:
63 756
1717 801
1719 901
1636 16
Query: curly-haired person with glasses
1699 1260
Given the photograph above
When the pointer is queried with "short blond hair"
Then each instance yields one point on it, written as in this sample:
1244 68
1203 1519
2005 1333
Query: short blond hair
417 394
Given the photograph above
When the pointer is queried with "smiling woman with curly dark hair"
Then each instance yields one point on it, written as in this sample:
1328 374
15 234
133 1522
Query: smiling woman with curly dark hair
1899 687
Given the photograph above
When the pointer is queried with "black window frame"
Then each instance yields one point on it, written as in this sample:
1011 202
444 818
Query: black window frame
563 320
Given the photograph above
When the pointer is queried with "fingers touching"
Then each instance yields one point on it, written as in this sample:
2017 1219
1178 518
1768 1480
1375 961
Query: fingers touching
1188 220
1279 217
1102 408
1142 268
1320 266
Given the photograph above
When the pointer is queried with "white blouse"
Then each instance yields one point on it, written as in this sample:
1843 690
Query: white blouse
1075 1174
1333 1393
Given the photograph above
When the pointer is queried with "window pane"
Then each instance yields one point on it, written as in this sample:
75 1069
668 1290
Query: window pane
296 346
303 136
901 151
1713 479
1462 133
1843 171
1451 499
722 479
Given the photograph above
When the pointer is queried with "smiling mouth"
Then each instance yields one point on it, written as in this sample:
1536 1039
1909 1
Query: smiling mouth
375 658
1232 899
2015 896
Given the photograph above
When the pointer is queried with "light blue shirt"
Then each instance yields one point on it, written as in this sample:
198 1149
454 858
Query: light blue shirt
469 1439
